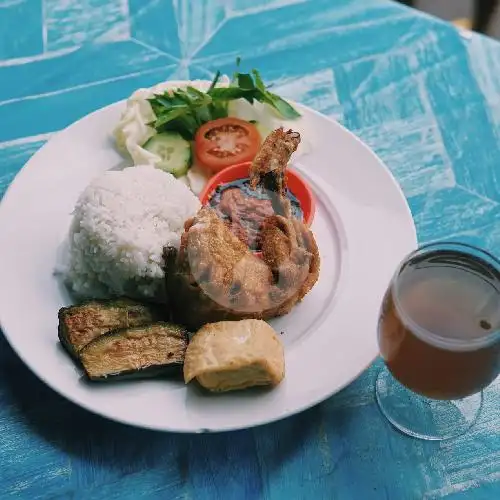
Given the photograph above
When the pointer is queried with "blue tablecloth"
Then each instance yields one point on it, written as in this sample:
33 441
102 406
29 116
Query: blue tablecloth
423 95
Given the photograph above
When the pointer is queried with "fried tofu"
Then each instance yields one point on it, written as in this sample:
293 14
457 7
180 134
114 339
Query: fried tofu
231 355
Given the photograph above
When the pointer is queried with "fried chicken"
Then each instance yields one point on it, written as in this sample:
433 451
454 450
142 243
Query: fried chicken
214 276
269 166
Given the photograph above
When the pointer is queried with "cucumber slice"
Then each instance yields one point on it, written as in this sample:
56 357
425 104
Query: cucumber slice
174 151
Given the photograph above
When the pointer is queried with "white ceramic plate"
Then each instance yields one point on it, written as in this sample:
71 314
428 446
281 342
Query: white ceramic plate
363 227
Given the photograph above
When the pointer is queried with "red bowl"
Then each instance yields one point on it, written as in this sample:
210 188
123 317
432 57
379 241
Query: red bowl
296 184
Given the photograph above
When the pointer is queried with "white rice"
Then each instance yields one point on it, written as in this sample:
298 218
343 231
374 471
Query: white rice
121 223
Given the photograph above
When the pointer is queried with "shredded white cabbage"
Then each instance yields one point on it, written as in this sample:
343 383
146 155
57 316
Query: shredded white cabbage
197 179
132 131
261 113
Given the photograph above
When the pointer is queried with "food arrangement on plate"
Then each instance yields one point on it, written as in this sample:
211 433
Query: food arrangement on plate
177 261
145 261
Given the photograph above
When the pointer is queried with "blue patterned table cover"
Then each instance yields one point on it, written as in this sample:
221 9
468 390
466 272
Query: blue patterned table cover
423 95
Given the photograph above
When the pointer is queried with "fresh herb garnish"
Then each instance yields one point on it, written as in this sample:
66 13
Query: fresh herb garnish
185 110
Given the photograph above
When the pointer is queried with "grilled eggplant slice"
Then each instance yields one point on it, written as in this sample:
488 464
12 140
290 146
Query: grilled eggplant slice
80 324
144 351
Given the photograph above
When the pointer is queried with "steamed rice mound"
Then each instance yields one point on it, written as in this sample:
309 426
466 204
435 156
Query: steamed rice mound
121 223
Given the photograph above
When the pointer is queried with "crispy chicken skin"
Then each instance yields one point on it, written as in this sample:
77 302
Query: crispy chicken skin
269 166
215 277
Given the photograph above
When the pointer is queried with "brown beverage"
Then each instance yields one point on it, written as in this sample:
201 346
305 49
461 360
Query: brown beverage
439 325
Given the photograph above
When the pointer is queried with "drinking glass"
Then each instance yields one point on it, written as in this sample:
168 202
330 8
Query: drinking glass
439 336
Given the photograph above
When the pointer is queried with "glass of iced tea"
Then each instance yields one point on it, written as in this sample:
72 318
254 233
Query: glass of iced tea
439 336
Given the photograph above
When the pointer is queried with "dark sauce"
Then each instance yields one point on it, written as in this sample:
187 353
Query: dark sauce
245 211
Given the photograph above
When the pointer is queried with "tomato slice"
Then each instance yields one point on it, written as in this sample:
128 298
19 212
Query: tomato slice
226 141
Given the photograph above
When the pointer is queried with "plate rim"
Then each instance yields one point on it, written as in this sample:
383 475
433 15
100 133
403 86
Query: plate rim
296 409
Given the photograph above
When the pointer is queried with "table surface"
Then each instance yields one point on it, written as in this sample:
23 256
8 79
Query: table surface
424 96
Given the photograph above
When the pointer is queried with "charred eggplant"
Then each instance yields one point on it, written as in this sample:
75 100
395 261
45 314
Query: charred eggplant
140 352
80 324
